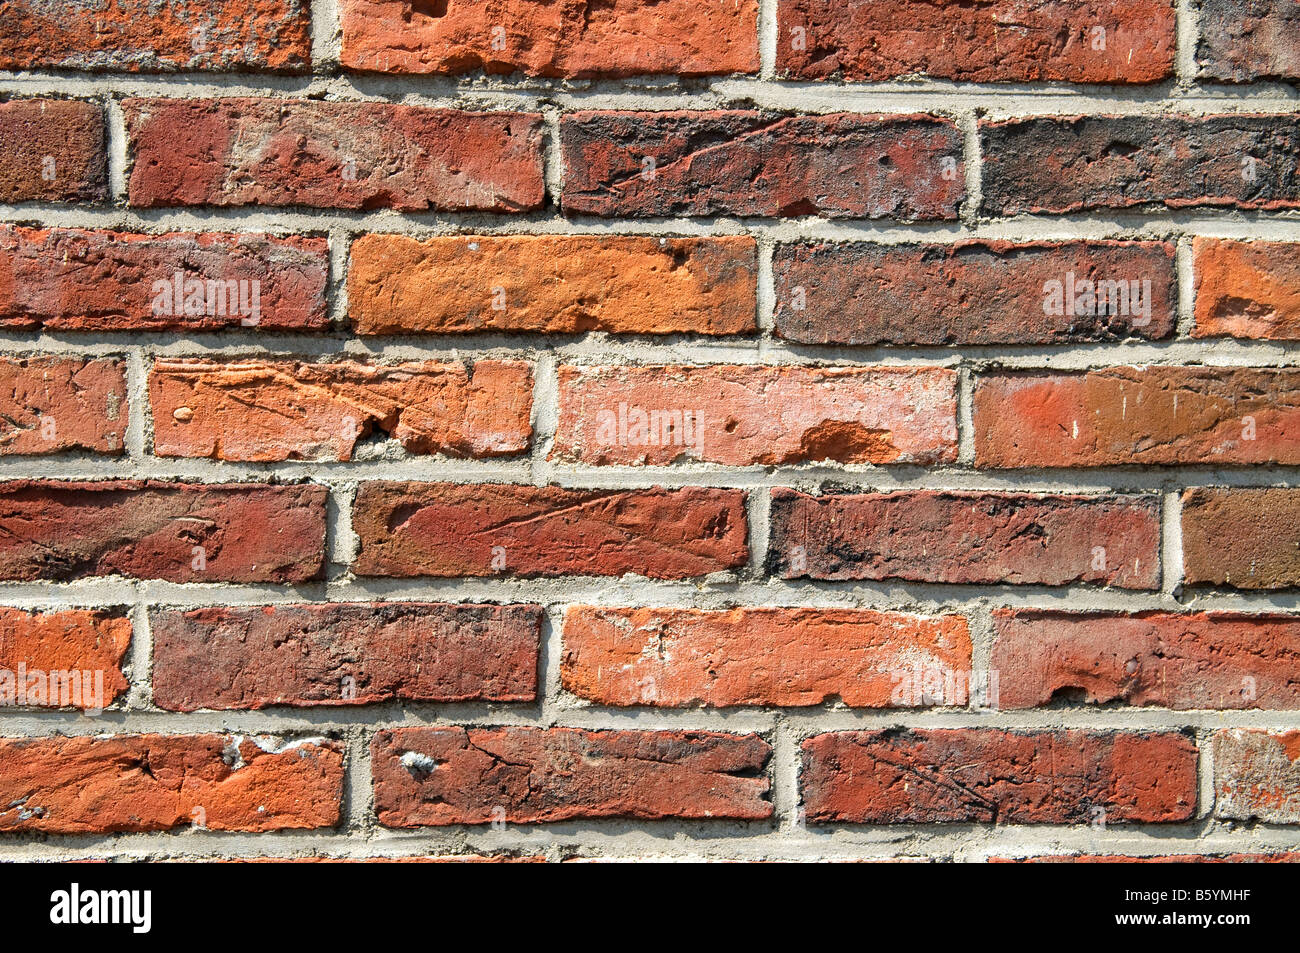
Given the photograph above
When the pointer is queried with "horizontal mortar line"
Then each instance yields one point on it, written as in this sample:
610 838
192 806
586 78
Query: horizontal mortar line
1150 223
664 92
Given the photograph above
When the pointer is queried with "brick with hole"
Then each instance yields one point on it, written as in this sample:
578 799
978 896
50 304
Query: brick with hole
1078 41
972 292
781 657
282 410
1126 416
63 657
967 538
332 155
344 654
553 284
1256 777
55 404
52 150
746 415
440 776
154 36
1245 41
986 775
1071 164
746 164
450 530
150 529
1210 660
1247 289
1245 538
73 279
572 39
134 783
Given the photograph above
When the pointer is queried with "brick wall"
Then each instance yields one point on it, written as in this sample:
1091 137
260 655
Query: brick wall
736 429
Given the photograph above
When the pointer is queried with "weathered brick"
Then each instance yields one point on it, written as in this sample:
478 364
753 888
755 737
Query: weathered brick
1244 538
1219 660
263 410
972 292
1080 41
52 150
1077 163
154 530
151 36
740 415
1256 776
233 152
742 163
62 658
52 404
1247 289
438 776
340 654
447 529
88 280
791 657
988 538
571 38
554 284
1245 40
1290 858
988 775
1138 415
161 782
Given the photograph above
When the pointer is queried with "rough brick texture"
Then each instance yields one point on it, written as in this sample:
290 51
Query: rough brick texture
148 35
1245 40
233 152
344 655
256 410
1247 289
750 163
1256 777
529 775
51 404
972 292
570 38
991 776
1093 41
72 657
432 529
1243 538
52 150
985 538
687 657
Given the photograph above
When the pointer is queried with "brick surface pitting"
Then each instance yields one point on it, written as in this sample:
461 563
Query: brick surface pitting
52 150
1245 40
50 404
1243 538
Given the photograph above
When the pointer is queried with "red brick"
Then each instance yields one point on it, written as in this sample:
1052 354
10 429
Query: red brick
1247 289
439 776
745 415
340 654
1216 660
153 530
446 529
273 152
52 150
760 164
1244 538
148 36
969 292
552 283
52 404
689 657
162 782
987 775
1078 163
571 38
92 643
1138 415
1256 776
988 538
81 280
1245 40
268 411
989 41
